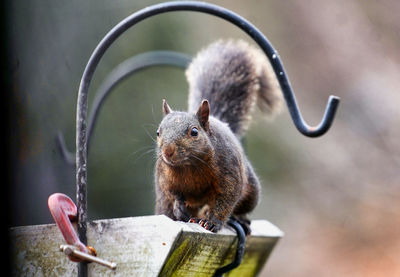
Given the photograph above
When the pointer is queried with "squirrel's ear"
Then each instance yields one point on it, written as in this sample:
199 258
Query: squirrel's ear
203 113
165 108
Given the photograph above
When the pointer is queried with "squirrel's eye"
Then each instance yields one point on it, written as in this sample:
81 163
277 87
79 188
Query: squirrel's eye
158 133
194 132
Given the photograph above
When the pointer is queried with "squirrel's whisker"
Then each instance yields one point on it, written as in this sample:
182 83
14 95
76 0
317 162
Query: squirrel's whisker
141 149
201 160
148 133
146 149
201 152
150 124
143 154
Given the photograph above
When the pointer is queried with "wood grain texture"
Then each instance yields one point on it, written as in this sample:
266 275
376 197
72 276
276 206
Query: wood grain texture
143 246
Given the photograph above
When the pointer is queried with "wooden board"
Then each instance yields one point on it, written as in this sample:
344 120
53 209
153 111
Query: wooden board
143 246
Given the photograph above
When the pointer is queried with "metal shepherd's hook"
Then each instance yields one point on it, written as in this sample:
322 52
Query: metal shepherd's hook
111 36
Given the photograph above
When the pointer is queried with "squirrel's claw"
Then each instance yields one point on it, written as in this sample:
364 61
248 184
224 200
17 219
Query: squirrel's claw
209 226
206 224
194 220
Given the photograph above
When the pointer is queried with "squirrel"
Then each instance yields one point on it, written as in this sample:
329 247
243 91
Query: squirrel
202 174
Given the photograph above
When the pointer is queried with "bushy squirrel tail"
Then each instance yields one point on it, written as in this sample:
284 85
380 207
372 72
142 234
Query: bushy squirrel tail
233 76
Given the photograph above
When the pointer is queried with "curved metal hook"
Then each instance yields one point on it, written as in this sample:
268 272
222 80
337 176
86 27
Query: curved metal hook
118 74
239 249
113 34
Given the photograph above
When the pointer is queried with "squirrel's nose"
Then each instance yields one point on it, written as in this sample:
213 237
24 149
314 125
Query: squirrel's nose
169 150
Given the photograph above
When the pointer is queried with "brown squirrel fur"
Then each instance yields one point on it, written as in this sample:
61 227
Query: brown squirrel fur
202 173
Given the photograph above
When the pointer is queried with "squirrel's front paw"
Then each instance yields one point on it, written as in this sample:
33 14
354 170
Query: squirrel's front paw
211 225
180 211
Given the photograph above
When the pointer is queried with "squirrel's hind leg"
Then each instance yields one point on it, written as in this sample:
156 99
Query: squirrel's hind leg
248 200
250 193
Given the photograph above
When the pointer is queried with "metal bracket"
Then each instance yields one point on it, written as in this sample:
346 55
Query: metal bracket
63 210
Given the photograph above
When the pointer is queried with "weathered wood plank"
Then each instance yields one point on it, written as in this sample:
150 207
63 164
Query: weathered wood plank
142 246
200 253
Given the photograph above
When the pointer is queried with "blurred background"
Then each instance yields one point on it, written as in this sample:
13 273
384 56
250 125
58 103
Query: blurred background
336 198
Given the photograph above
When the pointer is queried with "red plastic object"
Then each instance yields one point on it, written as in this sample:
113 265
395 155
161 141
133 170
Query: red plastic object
64 210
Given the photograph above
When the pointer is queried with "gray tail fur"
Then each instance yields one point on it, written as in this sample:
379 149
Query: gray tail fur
233 76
